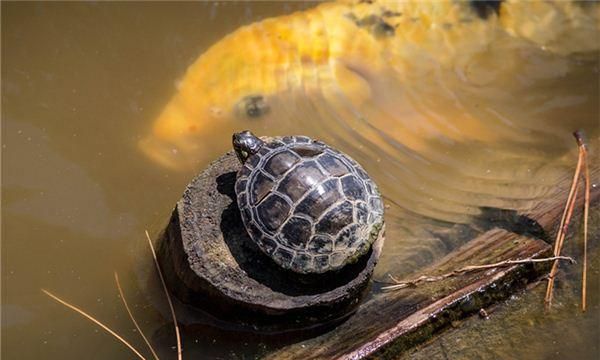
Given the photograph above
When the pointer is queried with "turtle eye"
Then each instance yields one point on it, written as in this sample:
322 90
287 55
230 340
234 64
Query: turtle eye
253 106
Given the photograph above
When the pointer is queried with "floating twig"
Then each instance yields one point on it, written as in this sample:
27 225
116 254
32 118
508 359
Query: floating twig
432 278
162 280
132 318
94 320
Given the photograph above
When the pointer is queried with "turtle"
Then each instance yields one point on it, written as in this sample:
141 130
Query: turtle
311 208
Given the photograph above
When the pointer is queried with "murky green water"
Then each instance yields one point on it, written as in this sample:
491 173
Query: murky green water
82 84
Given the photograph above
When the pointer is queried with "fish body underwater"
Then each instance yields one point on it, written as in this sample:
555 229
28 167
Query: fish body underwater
453 107
370 66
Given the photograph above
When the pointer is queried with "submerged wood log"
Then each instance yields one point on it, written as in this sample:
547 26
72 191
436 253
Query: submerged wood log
211 263
391 322
406 317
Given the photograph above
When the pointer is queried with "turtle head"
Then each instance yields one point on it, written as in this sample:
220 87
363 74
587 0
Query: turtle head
245 144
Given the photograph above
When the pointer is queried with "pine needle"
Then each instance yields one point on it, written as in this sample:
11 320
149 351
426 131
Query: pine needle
560 239
131 316
564 223
94 320
162 280
586 209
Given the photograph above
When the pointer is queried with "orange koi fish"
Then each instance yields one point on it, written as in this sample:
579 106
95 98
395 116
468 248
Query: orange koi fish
395 74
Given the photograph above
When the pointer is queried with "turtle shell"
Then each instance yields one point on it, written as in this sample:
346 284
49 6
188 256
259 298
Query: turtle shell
308 206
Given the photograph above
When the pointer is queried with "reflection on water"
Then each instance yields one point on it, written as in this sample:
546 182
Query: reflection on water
474 117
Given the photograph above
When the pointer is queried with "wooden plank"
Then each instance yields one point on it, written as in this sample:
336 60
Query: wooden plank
391 322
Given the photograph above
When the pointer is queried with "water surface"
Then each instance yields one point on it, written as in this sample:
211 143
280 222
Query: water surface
82 84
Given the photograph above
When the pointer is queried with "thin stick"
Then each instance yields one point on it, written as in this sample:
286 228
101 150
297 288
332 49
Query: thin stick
427 278
564 224
92 319
570 198
586 209
560 242
162 280
131 316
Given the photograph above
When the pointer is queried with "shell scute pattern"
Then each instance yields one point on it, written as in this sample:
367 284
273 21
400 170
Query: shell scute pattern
262 187
240 186
321 262
362 212
244 171
308 150
284 254
376 204
268 244
281 162
333 165
319 199
252 162
337 259
353 188
335 219
302 261
264 151
296 232
309 207
321 244
254 231
346 238
275 144
246 215
272 212
301 179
